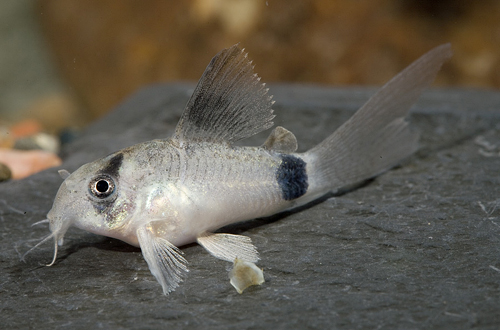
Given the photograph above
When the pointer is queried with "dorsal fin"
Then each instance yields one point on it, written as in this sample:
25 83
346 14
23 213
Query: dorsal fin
281 140
228 104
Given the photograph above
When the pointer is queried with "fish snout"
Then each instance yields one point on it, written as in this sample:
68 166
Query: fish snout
58 227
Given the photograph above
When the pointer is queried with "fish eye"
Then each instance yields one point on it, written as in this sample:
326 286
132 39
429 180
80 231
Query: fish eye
102 186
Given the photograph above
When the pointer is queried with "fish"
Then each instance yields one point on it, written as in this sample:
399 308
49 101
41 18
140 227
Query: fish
165 193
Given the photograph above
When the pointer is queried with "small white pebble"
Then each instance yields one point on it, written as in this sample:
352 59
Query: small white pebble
245 274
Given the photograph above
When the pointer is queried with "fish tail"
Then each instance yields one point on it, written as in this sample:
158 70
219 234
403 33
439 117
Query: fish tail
377 137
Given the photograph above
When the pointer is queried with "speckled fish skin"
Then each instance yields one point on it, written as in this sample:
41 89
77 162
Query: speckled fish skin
203 186
163 194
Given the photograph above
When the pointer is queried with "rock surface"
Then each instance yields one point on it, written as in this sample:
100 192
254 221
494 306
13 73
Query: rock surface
418 247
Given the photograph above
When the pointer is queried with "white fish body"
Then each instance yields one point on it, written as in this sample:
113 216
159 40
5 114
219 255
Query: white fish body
166 193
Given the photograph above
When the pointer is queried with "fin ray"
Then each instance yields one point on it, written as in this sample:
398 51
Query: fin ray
228 104
229 246
165 260
377 136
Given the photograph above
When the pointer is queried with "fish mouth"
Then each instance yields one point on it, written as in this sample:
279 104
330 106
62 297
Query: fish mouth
58 228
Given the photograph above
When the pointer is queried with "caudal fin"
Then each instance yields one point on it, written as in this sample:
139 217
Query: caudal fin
376 137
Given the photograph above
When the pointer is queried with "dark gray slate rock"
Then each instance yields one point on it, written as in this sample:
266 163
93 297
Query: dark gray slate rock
417 247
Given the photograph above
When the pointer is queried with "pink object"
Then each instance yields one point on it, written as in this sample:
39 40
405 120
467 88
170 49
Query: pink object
25 163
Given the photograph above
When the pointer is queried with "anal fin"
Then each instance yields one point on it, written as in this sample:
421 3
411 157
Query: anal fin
229 247
164 259
281 140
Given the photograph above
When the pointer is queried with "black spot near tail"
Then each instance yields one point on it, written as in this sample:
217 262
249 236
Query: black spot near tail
114 165
292 177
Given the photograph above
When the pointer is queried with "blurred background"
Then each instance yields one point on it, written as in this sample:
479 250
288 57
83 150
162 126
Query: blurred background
65 63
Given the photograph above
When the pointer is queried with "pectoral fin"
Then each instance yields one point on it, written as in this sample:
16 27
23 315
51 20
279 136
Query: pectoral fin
164 259
229 247
281 140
